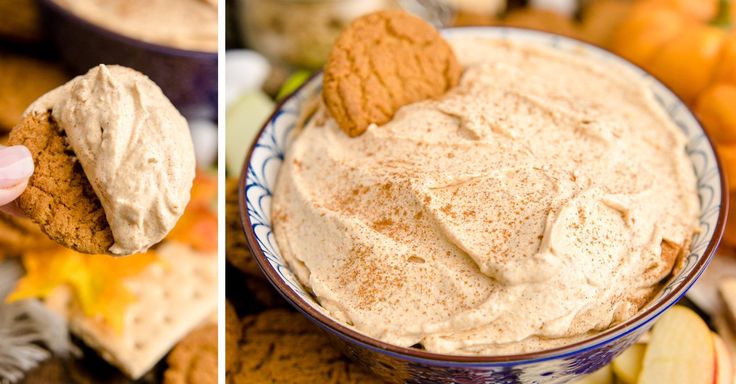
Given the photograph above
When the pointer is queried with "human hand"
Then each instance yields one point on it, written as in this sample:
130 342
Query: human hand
16 167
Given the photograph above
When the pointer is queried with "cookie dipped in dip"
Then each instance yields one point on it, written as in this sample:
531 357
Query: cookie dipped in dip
114 162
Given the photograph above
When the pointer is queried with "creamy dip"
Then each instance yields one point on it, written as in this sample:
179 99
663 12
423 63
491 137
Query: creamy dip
135 149
185 24
524 209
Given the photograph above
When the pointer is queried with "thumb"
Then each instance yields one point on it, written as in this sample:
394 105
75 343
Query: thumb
16 167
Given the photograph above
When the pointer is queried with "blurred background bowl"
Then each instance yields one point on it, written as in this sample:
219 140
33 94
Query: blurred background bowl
188 78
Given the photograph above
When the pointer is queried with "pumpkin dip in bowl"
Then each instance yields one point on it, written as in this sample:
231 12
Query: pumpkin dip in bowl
543 199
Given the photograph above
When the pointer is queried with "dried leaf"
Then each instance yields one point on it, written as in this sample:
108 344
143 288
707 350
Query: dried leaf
97 281
198 225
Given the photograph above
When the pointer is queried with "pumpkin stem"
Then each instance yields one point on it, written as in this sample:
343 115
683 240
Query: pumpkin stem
723 19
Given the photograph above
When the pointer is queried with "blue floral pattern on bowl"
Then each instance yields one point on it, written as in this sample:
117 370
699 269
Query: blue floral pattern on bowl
414 366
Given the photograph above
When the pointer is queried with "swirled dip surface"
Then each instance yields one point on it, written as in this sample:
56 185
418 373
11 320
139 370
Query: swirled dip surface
526 208
135 149
185 24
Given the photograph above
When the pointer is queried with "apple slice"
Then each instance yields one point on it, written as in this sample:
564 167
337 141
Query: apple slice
680 351
601 376
627 366
244 118
724 366
727 335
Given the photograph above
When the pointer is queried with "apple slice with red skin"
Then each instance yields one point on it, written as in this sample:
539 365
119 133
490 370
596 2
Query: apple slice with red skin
681 350
724 364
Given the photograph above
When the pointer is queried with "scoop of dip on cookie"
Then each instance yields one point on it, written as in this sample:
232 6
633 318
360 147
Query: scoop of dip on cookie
135 152
544 198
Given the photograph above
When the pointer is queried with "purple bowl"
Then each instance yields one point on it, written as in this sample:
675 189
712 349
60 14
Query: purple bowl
187 78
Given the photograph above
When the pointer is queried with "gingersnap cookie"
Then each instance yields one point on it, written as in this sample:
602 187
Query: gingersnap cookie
381 62
20 20
281 346
194 359
23 80
59 198
672 255
232 336
18 235
238 254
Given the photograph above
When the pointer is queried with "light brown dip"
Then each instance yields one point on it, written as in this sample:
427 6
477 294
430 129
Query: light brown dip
135 149
523 210
185 24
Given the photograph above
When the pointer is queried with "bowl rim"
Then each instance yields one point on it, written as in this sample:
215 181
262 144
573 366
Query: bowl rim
109 33
641 319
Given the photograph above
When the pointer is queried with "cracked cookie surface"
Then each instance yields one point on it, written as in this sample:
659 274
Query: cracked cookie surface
280 346
237 247
194 359
238 254
232 336
59 198
381 62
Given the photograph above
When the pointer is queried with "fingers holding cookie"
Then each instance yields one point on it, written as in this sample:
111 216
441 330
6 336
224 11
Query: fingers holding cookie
382 62
104 184
16 167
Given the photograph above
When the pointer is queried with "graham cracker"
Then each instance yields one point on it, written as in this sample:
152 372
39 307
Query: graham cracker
174 298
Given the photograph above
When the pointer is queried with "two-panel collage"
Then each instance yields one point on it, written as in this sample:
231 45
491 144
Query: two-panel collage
367 191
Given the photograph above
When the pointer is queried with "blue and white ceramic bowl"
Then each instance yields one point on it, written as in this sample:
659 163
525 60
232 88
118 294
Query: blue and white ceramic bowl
559 365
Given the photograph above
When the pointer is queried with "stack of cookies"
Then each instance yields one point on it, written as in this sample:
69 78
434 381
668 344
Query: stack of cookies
259 293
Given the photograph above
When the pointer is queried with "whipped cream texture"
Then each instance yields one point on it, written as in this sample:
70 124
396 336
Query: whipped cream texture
525 209
134 147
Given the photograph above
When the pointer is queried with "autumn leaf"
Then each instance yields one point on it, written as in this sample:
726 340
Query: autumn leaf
204 189
198 225
97 281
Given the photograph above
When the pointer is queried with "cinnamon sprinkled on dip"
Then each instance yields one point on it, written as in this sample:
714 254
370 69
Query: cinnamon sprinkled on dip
525 209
